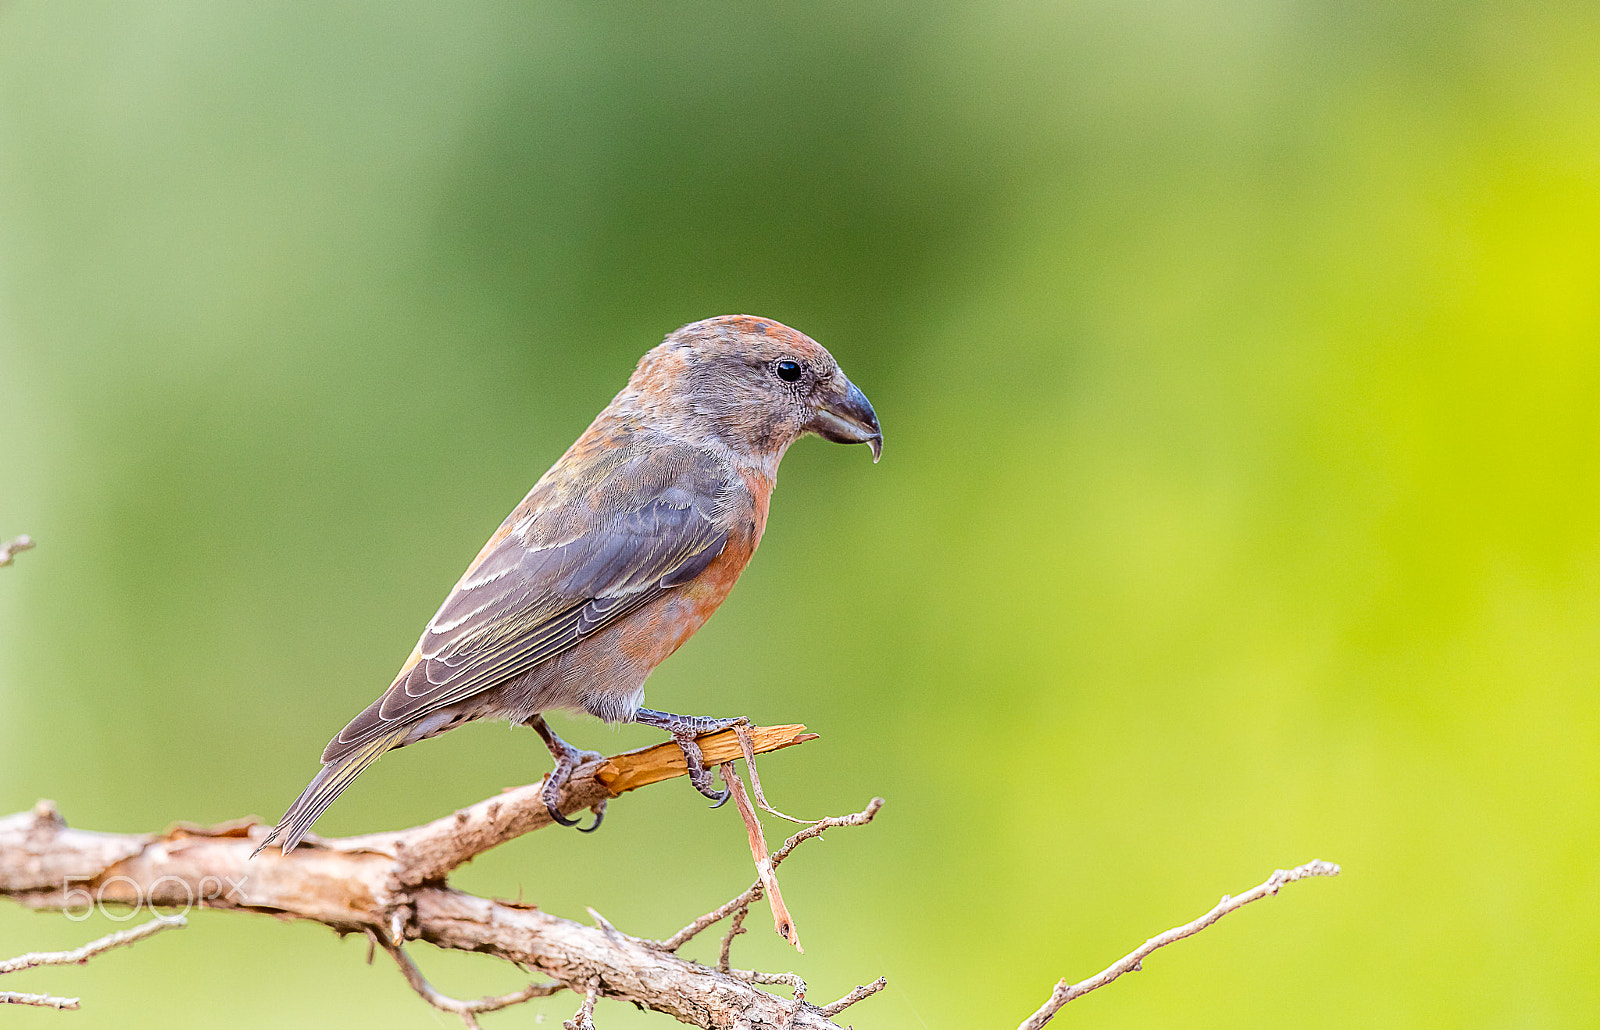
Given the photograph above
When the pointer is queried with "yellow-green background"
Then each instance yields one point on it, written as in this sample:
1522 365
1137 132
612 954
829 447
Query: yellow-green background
1238 363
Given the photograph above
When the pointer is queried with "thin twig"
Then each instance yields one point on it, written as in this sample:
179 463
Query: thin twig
601 921
1065 992
9 550
725 959
78 956
44 1001
822 826
584 1019
767 876
716 915
748 745
743 899
467 1010
861 992
789 980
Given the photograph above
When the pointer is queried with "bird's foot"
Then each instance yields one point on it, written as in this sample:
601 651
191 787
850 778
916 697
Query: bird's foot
568 758
685 730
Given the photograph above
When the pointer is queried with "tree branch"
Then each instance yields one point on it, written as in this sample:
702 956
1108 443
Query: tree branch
862 992
428 853
753 892
43 1001
467 1010
1065 992
11 548
77 957
766 875
391 886
584 1020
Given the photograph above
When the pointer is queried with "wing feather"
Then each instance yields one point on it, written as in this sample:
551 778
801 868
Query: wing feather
577 565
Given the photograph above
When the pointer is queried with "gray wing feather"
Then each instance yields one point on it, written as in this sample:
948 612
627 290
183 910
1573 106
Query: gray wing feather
526 603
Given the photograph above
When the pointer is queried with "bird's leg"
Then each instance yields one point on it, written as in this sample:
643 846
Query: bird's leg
684 730
567 759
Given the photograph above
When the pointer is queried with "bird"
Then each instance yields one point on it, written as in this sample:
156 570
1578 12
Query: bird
616 556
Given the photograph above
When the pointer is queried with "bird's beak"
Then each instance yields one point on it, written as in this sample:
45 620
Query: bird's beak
846 416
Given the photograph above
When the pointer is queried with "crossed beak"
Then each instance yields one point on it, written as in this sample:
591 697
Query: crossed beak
846 416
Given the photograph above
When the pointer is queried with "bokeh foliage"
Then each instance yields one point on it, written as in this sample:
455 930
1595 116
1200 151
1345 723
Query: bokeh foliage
1238 363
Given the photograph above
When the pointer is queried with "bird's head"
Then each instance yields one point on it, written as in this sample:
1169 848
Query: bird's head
754 384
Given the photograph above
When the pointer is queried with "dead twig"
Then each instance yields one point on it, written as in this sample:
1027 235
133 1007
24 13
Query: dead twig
11 548
584 1019
44 1001
725 958
739 903
77 957
1065 992
861 992
747 744
765 874
467 1010
746 897
789 980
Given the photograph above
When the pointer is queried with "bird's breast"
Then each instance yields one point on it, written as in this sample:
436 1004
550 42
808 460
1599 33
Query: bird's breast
678 614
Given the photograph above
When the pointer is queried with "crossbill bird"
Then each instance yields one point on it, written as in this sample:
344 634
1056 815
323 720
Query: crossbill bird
616 556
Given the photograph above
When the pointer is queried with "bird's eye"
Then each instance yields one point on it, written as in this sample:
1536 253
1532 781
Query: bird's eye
789 371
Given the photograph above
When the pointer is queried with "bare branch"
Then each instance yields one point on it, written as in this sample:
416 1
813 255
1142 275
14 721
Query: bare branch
584 1020
822 826
725 958
467 1010
747 745
44 1001
391 887
861 992
789 980
9 550
77 957
739 904
427 854
765 874
750 894
654 764
1065 992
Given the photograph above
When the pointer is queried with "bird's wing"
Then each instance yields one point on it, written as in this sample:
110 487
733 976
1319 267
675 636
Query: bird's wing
579 553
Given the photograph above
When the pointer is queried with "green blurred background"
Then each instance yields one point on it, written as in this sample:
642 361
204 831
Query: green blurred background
1238 363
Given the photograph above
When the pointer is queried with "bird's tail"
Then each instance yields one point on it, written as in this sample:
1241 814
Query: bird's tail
324 787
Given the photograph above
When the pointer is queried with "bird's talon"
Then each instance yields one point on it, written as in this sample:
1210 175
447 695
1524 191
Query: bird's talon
556 815
722 797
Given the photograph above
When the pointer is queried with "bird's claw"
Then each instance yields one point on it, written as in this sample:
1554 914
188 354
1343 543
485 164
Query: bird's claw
567 758
559 819
699 775
685 730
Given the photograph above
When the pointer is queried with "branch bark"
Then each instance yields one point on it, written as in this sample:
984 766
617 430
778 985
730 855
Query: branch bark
1065 992
391 885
